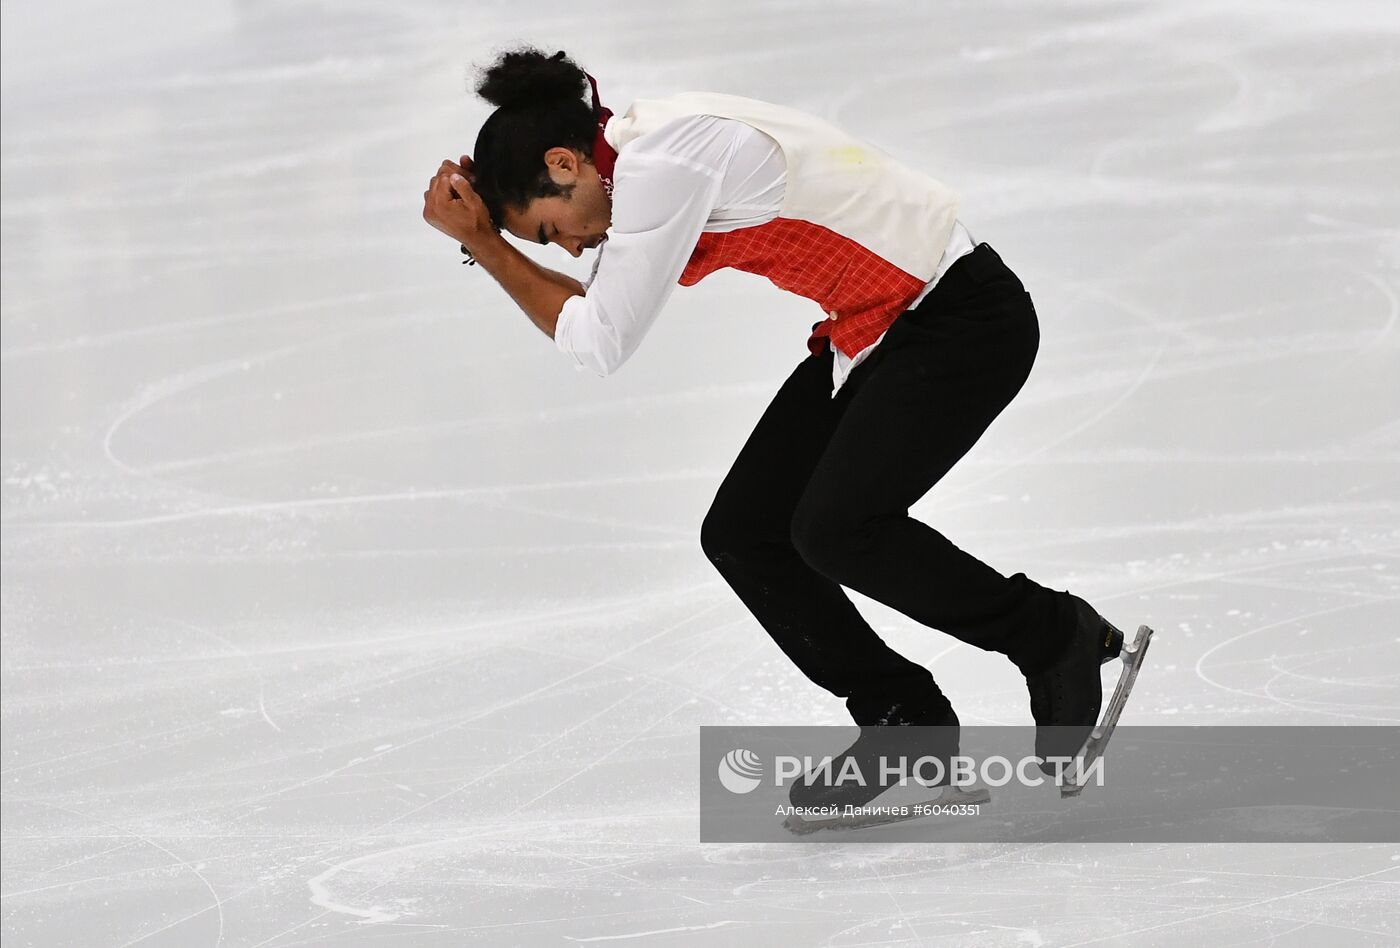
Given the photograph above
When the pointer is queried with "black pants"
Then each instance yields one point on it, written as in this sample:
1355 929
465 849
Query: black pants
819 498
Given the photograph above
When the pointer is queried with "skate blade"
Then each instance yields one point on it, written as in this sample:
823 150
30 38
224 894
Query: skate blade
1098 739
950 796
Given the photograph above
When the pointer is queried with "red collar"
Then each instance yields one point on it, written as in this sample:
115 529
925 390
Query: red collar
604 155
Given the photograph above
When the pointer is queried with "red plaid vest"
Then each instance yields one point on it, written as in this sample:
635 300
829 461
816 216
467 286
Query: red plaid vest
860 292
859 233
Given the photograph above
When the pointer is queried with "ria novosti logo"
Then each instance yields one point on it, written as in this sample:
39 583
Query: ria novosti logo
740 770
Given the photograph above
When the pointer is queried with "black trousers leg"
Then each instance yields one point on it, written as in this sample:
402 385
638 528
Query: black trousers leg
747 536
947 370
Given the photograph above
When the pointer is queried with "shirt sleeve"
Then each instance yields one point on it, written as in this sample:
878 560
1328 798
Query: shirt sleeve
660 206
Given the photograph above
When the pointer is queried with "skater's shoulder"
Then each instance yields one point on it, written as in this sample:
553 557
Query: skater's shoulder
703 142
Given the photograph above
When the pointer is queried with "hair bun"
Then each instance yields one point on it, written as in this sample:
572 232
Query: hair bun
527 76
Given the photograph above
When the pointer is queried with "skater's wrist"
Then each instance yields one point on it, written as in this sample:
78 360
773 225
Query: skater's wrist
483 248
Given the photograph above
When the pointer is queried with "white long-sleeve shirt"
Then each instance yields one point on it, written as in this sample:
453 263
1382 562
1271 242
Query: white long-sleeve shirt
694 174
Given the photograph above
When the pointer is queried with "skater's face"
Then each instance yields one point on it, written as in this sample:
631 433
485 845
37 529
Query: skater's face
577 220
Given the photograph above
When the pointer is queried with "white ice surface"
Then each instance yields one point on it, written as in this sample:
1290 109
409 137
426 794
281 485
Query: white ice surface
339 610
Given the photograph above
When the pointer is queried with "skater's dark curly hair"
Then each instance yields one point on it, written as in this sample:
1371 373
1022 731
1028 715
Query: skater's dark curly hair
541 105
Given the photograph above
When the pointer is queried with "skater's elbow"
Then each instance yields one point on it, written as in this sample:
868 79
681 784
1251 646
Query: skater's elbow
597 342
597 353
602 368
604 357
600 364
600 339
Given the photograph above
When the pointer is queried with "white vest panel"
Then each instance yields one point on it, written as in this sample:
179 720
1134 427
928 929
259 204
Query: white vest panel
834 180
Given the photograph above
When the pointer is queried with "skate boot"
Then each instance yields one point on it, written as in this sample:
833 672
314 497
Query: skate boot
1066 696
876 741
824 796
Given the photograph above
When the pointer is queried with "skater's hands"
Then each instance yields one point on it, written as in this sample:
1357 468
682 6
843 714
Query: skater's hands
452 205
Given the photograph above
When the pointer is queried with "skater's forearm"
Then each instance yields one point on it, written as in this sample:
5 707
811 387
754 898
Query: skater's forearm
538 291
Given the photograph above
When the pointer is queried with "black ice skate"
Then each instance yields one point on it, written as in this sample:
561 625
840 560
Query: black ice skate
1066 697
890 742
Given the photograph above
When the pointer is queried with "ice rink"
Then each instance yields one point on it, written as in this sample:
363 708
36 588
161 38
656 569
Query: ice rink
339 610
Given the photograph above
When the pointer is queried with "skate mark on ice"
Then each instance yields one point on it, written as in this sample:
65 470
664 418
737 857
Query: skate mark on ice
479 494
218 905
1119 936
1201 662
319 884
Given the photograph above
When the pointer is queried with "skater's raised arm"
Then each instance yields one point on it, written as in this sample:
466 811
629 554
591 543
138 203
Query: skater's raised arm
656 220
452 206
651 229
544 169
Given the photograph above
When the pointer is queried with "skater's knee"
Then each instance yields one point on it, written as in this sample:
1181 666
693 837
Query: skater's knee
716 537
726 538
825 539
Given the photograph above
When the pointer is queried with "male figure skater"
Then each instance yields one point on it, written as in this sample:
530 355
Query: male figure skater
926 336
